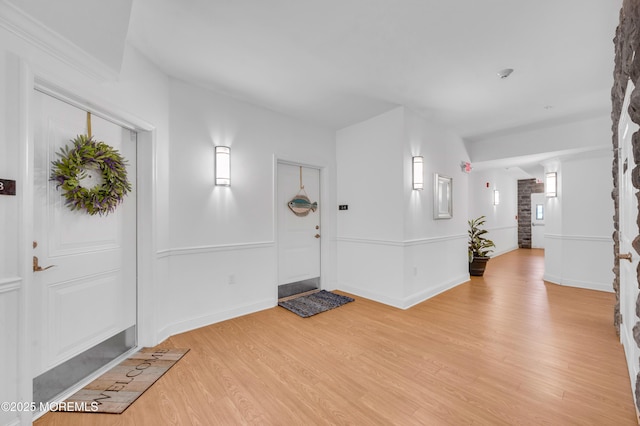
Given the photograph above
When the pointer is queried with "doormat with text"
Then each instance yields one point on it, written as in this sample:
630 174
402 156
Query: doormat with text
114 391
315 303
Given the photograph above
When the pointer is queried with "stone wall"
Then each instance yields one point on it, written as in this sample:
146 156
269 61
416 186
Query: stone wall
525 188
627 66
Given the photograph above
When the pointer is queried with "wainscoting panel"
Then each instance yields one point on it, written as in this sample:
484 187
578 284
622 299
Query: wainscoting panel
372 269
402 273
505 239
9 302
579 261
433 266
216 283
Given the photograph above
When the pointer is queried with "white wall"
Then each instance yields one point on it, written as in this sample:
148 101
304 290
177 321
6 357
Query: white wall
217 232
579 224
501 219
370 176
390 248
576 135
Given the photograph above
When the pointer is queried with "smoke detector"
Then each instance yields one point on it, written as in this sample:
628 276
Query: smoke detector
505 72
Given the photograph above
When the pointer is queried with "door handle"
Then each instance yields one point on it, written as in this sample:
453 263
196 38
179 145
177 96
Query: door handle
38 268
317 235
626 256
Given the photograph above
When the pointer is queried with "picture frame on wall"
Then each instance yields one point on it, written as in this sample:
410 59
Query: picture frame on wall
442 197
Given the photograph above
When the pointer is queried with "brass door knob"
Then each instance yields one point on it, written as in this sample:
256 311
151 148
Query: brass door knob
38 268
626 256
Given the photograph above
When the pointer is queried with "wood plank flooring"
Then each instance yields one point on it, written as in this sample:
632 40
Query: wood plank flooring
503 349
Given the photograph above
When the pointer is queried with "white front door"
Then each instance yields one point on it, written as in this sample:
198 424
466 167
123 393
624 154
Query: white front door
538 204
89 294
628 210
298 236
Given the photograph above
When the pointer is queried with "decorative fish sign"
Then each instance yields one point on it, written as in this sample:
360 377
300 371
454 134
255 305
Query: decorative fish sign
301 205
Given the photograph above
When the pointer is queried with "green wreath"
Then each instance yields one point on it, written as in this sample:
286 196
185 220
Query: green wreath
73 166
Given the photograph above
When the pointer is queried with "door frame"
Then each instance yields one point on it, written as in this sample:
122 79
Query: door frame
146 334
323 216
543 196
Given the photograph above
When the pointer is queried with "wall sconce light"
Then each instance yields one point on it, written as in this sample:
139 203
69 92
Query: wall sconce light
551 185
496 197
418 172
223 166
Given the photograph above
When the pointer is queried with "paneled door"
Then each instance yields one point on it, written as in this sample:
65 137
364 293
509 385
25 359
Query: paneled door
298 236
84 294
628 257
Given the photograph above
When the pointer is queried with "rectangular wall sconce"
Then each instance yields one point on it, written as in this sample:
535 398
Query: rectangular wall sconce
551 184
418 172
223 166
496 197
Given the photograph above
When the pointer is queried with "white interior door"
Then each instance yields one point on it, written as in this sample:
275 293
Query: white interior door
628 209
298 236
89 295
538 205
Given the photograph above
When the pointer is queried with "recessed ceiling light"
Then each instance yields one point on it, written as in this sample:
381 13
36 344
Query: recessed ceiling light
505 72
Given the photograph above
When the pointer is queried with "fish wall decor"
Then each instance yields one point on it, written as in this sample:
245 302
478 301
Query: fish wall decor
300 205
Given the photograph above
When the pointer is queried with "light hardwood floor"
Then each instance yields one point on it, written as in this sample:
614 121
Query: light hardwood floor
507 349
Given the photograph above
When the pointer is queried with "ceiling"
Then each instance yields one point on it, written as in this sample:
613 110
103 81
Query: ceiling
338 62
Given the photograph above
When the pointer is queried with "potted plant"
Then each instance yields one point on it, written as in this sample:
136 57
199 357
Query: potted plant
479 247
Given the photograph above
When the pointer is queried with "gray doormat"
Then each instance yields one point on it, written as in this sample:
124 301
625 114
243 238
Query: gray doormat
315 303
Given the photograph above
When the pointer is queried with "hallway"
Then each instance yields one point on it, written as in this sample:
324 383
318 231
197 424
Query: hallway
506 348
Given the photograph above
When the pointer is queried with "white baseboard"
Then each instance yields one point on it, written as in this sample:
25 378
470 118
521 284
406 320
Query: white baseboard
407 302
505 251
434 291
215 317
632 365
587 285
371 295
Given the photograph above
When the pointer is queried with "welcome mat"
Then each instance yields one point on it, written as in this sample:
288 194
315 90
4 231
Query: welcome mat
118 388
315 303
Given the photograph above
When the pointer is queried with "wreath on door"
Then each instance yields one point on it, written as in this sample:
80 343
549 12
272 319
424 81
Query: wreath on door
77 162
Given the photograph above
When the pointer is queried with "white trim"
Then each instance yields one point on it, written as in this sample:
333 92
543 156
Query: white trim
101 109
370 241
371 295
432 240
587 285
406 243
500 228
505 251
579 238
323 180
205 320
25 232
628 343
183 251
407 302
553 279
18 22
10 284
434 291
